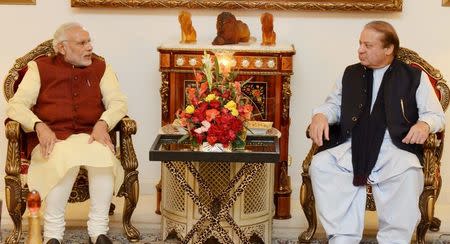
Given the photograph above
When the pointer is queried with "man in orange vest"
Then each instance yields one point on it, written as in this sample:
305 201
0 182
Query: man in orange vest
71 100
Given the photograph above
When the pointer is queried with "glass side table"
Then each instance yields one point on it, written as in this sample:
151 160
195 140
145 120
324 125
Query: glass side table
214 182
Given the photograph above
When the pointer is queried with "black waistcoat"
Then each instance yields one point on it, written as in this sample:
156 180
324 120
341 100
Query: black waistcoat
401 83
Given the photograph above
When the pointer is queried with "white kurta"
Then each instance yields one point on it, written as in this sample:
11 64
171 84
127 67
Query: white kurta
44 173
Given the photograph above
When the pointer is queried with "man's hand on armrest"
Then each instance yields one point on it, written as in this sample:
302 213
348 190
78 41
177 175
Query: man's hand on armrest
47 138
319 128
418 133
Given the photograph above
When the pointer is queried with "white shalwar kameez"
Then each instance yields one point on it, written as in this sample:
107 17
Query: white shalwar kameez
396 179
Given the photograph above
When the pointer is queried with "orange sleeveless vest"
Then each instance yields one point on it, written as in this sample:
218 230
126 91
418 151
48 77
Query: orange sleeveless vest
70 99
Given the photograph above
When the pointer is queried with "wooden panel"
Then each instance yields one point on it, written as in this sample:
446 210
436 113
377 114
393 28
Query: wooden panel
164 60
286 63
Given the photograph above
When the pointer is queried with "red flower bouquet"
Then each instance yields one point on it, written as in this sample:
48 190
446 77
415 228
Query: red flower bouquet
216 109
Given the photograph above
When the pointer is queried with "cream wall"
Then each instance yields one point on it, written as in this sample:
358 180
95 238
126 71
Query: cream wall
325 42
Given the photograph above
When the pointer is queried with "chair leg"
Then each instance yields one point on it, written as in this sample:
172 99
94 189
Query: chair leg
131 194
15 205
112 207
158 197
436 223
426 206
308 204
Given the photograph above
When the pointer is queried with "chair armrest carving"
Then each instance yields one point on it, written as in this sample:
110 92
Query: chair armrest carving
411 57
308 159
312 151
306 195
307 132
127 127
432 154
445 94
14 136
13 130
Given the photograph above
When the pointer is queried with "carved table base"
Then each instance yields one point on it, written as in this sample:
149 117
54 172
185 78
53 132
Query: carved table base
210 213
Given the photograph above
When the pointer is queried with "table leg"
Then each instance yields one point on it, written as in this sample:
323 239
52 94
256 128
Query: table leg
201 182
183 183
254 168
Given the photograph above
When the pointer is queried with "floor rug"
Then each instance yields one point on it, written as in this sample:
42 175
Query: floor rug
78 235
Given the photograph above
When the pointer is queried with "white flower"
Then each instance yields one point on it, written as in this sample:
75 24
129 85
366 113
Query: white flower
204 128
206 124
206 59
207 68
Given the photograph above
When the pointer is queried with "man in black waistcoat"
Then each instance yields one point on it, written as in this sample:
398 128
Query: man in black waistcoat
370 131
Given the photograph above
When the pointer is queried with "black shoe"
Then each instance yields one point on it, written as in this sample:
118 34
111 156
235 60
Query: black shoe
53 241
101 239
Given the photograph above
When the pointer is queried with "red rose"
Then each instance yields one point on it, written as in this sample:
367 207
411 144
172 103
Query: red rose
216 92
236 125
226 94
202 106
211 139
215 104
199 137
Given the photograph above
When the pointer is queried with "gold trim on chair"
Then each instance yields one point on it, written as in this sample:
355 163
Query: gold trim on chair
43 49
410 57
13 187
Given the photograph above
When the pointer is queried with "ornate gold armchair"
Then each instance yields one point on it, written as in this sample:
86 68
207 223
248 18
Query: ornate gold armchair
432 155
17 164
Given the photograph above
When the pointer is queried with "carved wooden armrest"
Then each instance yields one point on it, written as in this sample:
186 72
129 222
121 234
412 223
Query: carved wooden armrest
312 151
431 156
308 159
127 127
307 132
14 136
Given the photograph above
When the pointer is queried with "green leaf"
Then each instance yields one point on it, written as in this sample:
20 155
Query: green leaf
238 143
216 69
248 129
247 81
232 76
184 137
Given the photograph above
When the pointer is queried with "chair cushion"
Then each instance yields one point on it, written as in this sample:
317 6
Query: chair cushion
24 160
19 79
432 80
24 163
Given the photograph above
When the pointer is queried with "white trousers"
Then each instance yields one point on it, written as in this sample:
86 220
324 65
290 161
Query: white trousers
101 183
341 205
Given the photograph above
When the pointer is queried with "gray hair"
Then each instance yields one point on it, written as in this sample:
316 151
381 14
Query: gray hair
390 35
60 33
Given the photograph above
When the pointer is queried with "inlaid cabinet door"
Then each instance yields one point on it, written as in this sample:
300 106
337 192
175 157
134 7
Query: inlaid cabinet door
261 91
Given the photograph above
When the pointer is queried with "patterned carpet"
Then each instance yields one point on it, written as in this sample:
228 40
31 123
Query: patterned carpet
79 235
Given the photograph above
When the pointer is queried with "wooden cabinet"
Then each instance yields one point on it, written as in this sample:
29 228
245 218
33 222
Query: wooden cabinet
270 68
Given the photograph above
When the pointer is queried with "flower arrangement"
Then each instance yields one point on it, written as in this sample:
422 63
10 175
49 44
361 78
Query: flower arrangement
216 109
